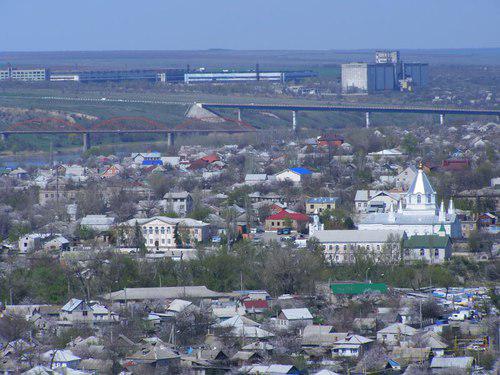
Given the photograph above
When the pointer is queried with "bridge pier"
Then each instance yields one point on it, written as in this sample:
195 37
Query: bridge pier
86 141
239 114
170 139
294 121
367 118
441 119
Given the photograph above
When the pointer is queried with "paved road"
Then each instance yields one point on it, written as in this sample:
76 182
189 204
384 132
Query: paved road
354 108
272 104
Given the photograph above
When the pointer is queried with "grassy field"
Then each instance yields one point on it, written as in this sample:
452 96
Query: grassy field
234 59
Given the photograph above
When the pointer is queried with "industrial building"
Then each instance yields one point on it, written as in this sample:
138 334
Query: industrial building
24 74
388 72
164 75
152 75
254 76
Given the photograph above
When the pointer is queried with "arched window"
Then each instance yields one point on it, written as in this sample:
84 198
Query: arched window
336 247
419 199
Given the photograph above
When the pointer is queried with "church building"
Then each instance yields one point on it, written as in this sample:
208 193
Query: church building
420 216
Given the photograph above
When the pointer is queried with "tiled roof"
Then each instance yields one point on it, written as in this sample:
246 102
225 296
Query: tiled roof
291 215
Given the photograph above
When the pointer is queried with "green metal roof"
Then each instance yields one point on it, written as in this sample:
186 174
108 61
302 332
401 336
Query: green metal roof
358 288
432 241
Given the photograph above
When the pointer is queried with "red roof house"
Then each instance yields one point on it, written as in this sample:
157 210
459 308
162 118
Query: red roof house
452 165
329 140
280 220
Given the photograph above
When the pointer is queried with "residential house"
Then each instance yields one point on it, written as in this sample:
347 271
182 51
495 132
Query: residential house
368 201
458 365
255 179
79 311
73 172
453 165
290 318
152 358
172 161
342 246
433 341
320 337
404 179
61 358
56 191
405 356
244 327
395 334
287 219
320 204
244 357
487 220
255 306
56 242
468 223
180 202
30 243
19 173
140 158
351 346
295 175
432 248
112 171
257 197
98 223
269 370
329 140
392 153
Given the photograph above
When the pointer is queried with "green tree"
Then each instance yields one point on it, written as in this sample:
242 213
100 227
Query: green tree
409 144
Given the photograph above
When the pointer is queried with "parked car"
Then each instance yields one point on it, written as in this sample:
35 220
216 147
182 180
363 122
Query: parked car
284 231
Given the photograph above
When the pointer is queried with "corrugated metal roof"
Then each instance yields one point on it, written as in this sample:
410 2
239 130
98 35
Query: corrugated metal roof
356 236
300 170
426 241
72 304
323 200
398 328
297 314
163 293
452 362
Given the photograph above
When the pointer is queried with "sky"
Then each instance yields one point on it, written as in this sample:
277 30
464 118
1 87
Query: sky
63 25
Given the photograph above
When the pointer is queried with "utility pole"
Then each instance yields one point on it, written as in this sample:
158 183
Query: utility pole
421 323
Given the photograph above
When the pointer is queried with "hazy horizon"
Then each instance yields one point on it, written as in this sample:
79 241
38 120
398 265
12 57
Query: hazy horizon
123 25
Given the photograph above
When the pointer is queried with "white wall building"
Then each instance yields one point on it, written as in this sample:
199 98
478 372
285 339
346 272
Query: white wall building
180 203
420 216
159 232
342 246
